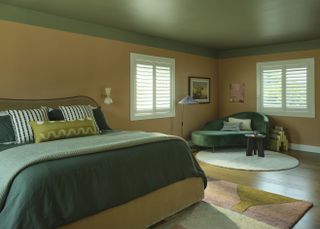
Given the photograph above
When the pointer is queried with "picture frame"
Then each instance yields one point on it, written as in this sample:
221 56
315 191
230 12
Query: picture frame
199 89
236 92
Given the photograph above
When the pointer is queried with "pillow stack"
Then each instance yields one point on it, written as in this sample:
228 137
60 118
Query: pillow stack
235 124
29 125
245 124
229 126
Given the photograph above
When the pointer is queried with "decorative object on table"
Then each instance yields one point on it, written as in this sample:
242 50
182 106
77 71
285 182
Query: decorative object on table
236 91
108 99
187 100
199 89
235 158
278 140
255 142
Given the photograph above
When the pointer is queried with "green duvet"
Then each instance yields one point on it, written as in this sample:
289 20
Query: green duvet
79 177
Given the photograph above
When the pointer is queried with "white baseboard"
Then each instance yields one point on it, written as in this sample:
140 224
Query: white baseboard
307 148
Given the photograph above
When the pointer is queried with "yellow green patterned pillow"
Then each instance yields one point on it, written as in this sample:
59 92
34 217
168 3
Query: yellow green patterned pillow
53 130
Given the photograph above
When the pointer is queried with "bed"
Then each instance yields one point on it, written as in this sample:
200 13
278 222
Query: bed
118 179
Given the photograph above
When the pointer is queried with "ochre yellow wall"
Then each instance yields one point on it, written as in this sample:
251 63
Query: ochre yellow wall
38 62
243 70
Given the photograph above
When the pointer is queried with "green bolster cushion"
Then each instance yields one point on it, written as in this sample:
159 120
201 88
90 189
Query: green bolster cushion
53 130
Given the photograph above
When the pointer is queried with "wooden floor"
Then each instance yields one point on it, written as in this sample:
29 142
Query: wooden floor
302 182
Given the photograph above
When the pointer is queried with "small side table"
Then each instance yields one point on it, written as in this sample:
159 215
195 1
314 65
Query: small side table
254 143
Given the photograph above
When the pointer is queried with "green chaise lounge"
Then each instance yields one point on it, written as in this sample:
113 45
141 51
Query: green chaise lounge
212 136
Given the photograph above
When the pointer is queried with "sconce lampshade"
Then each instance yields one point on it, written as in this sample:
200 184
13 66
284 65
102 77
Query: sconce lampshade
108 99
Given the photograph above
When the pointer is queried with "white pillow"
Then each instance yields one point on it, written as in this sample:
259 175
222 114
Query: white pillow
245 123
75 112
231 126
20 121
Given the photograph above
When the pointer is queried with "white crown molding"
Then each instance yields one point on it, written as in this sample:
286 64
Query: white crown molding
307 148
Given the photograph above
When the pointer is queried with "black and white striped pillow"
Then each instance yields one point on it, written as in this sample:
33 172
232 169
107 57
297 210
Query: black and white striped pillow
75 112
20 121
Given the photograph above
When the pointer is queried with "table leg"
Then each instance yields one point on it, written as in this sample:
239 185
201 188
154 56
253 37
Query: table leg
249 147
254 146
260 148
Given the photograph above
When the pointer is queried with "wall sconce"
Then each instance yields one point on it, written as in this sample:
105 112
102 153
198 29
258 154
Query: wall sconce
107 99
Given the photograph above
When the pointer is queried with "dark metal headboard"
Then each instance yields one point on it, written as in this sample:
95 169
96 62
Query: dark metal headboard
6 103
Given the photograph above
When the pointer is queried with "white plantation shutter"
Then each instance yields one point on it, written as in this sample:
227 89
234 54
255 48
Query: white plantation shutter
144 88
163 85
296 87
152 87
272 87
286 87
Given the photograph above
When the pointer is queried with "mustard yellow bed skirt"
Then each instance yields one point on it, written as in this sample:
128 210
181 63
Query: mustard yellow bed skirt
146 210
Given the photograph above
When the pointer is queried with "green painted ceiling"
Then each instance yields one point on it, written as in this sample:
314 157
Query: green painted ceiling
216 24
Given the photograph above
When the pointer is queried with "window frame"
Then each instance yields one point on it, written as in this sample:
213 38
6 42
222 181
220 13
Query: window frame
309 112
154 60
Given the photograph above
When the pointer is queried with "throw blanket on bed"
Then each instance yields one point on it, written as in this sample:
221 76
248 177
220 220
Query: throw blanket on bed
13 160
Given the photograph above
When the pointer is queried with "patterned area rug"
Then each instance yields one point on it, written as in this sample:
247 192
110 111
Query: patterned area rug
237 159
228 205
206 216
276 210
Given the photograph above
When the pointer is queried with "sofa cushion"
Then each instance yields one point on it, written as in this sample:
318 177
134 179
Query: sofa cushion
259 122
231 126
245 123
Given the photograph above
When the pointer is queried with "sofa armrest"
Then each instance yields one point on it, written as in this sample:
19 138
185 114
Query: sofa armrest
264 126
214 125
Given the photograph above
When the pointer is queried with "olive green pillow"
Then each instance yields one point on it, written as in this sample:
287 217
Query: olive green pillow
53 130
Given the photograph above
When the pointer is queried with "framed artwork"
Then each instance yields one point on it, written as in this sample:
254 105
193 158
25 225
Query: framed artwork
236 91
199 89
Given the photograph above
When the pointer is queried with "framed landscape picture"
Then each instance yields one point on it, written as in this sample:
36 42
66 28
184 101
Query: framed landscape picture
199 89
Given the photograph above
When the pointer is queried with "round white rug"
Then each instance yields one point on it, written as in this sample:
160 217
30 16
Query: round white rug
237 159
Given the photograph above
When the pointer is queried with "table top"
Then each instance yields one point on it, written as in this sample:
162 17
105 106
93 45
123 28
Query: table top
255 135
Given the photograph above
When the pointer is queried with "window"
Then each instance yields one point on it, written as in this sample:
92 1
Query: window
286 88
152 87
